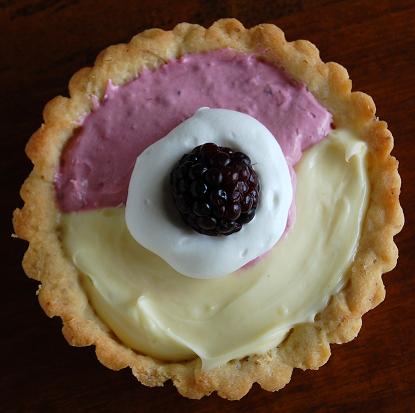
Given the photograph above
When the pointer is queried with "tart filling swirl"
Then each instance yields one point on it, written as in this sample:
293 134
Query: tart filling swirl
98 160
162 313
146 302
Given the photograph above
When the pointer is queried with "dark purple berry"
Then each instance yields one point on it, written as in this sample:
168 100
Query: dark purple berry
236 195
191 158
230 177
221 159
198 189
233 212
214 176
182 186
206 151
242 187
201 208
243 172
191 219
218 211
247 203
181 172
215 189
196 171
207 223
241 157
218 197
246 217
228 227
182 204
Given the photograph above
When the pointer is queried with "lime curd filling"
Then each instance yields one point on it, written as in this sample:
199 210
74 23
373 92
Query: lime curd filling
159 312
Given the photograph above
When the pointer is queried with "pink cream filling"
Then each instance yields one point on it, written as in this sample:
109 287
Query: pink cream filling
97 162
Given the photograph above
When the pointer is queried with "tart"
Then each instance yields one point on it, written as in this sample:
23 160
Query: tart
56 217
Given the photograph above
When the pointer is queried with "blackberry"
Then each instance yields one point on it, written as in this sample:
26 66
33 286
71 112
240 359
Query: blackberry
215 189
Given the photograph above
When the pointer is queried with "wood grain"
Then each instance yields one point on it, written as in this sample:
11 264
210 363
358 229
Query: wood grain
43 42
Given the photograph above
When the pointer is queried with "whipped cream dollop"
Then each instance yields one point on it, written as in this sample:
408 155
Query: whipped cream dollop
154 222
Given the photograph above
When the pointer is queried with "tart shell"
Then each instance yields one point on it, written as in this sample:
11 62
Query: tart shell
307 346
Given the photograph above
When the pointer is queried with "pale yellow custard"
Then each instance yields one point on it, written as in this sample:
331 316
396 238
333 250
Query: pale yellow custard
162 313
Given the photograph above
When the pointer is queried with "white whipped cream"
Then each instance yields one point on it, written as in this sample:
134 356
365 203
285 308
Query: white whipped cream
154 222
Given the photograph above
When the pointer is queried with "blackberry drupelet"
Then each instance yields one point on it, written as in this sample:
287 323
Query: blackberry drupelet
215 189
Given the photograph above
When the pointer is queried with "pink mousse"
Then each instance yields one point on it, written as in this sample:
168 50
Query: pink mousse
97 162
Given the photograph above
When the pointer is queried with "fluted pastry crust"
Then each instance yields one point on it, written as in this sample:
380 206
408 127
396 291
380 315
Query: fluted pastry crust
308 345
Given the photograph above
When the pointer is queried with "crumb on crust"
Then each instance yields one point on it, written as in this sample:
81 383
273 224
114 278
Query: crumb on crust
307 345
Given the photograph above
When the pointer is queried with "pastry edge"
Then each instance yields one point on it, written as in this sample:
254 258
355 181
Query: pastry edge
307 345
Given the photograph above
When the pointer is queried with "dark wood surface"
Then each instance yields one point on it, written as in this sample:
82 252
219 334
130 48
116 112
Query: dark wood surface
42 42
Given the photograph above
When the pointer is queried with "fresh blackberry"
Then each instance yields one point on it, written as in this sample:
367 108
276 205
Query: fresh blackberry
215 189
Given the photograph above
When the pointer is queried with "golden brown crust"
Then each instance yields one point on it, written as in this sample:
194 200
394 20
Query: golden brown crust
308 345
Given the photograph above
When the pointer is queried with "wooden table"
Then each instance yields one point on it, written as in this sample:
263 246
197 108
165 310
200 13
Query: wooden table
43 42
